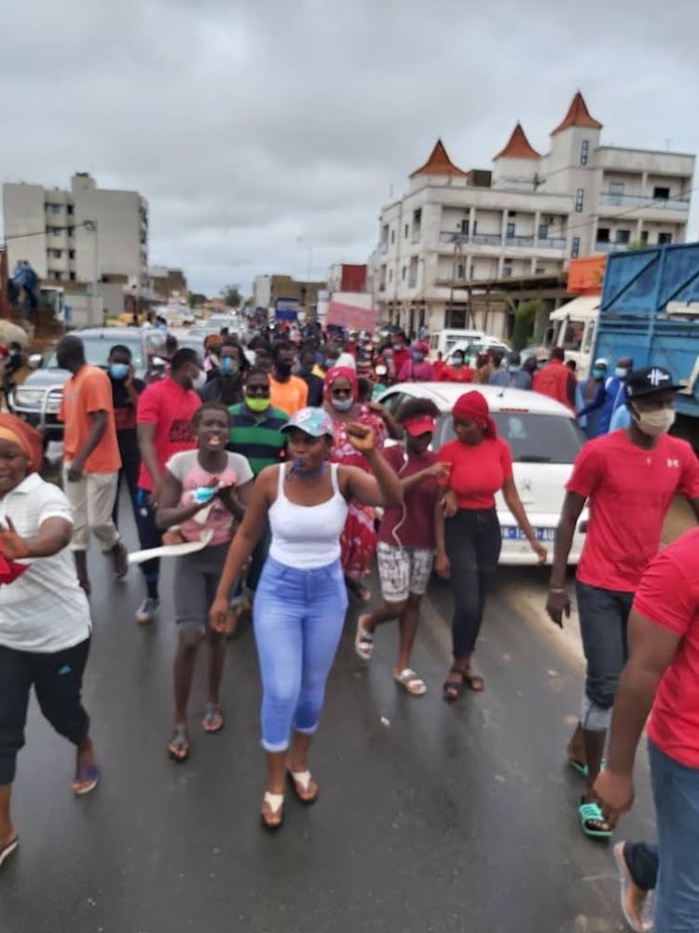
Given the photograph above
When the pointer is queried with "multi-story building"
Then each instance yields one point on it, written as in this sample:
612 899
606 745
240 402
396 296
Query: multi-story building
166 283
86 234
525 216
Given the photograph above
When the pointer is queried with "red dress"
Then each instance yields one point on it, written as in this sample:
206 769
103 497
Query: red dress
358 540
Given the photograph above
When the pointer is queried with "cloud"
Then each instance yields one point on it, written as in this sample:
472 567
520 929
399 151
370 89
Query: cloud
249 125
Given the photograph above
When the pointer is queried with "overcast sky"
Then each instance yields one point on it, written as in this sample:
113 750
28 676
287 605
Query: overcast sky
260 130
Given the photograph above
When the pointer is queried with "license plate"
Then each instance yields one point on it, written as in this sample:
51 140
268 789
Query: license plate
514 533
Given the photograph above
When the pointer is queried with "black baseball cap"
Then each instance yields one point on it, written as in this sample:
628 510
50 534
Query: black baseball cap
649 381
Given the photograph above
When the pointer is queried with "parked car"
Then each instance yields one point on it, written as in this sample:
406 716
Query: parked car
38 399
544 438
471 348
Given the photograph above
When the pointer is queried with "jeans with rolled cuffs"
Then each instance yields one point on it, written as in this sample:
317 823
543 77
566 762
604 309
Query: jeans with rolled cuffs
298 616
473 540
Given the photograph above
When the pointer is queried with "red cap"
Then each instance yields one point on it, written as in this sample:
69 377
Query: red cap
423 424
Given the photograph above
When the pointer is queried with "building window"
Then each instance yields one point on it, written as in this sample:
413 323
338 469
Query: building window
507 269
664 239
56 253
417 216
579 200
603 235
54 208
404 272
71 210
393 236
575 248
616 191
510 231
406 232
584 151
71 254
622 236
543 231
71 276
661 194
56 276
644 237
390 275
71 231
460 272
464 227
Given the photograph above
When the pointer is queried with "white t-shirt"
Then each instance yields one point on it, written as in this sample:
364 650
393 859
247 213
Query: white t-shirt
45 610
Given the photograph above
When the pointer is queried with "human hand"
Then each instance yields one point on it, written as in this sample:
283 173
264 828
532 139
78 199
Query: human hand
442 566
615 793
450 504
128 382
154 495
218 614
75 471
558 604
438 471
361 437
12 545
539 550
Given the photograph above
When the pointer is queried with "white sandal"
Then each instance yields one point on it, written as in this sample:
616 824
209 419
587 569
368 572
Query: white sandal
273 804
301 782
415 685
363 640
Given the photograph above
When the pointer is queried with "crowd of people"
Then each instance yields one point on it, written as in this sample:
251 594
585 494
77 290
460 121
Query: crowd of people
260 468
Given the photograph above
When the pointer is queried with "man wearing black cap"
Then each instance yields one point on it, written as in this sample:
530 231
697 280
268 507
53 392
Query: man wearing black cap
630 478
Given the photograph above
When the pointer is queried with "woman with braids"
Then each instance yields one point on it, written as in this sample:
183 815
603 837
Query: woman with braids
407 540
358 540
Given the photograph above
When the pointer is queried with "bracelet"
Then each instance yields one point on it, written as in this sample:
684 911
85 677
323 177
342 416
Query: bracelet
557 589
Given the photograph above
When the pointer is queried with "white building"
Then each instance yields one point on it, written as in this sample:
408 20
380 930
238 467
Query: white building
526 216
78 235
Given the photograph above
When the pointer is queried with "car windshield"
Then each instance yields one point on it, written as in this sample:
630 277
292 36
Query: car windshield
532 438
97 351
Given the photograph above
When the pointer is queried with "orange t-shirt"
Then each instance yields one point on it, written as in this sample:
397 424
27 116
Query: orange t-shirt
87 392
289 396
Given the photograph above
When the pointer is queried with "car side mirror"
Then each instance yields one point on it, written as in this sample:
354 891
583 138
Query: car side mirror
36 360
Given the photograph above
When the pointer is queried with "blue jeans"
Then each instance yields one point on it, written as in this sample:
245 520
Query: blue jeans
676 795
642 862
298 617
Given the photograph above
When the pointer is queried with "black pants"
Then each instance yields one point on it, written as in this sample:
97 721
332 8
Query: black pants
149 536
130 466
57 679
473 541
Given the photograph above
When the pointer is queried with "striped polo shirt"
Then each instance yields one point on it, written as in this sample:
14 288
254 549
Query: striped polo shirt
257 437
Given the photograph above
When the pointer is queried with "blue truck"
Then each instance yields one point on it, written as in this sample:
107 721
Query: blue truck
650 312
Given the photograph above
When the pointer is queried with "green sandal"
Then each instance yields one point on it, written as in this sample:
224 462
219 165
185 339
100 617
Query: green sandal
590 813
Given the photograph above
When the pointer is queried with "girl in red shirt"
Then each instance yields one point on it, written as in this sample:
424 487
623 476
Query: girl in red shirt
467 528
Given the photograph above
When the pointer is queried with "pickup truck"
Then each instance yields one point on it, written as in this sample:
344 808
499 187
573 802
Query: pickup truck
38 399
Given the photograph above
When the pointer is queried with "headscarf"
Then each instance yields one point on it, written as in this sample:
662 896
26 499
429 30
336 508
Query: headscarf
472 406
340 372
25 436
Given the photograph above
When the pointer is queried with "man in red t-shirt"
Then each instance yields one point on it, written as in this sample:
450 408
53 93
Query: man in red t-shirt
456 371
630 477
663 673
555 380
164 423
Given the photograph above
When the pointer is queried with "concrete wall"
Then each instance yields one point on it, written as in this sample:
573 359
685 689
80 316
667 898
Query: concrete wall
24 213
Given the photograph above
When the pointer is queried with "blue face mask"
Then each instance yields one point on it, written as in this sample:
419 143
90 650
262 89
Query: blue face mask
621 372
598 374
118 370
418 357
229 366
513 368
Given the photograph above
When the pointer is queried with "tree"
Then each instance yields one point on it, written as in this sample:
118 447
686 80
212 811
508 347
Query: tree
525 319
231 295
196 299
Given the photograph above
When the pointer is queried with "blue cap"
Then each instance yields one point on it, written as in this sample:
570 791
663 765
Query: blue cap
313 421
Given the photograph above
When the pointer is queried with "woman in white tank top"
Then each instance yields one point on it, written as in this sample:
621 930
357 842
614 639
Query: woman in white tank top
301 599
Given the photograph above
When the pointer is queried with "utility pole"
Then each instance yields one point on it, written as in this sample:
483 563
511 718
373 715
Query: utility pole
91 227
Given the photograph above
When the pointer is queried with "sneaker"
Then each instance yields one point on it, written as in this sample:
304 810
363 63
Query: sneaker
637 905
147 610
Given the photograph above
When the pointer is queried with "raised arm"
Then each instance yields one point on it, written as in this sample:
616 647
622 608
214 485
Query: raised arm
381 486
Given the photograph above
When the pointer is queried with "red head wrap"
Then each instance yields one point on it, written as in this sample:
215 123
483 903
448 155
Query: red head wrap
472 406
340 372
27 437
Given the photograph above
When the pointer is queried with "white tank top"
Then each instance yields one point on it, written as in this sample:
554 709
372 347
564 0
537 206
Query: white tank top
307 536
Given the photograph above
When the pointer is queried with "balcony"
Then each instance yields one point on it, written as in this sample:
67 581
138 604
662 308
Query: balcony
611 247
552 243
496 239
519 241
632 201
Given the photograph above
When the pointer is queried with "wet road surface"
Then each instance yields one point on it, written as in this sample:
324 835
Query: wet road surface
431 817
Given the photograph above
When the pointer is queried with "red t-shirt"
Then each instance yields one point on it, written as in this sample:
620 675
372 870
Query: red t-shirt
400 358
478 471
630 490
668 595
170 408
412 523
457 374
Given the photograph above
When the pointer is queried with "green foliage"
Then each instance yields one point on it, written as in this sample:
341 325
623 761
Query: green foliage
231 295
196 299
525 319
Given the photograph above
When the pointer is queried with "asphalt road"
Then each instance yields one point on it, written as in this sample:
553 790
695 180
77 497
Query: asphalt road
431 817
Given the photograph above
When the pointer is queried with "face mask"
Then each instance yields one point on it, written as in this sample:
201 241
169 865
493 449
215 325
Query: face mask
381 371
654 423
457 362
342 404
513 369
119 370
598 374
621 372
397 347
229 366
258 405
199 381
418 357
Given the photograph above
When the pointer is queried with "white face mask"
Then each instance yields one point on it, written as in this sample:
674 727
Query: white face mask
654 423
199 381
342 404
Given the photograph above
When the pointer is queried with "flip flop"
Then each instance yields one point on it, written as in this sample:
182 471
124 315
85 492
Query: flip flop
363 640
590 812
305 788
581 768
213 720
408 679
272 812
8 849
86 780
178 749
474 682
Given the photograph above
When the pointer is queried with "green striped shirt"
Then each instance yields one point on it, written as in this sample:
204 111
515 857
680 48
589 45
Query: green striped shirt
257 437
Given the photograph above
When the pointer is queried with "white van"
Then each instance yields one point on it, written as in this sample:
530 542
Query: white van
574 326
443 340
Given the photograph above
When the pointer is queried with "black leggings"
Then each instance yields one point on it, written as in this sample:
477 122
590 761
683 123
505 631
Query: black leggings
57 680
473 541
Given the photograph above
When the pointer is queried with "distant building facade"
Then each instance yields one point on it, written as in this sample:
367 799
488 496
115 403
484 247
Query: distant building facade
528 215
267 289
